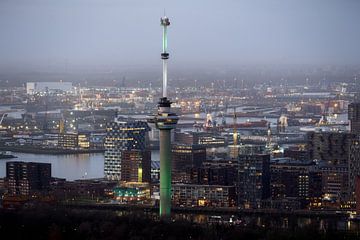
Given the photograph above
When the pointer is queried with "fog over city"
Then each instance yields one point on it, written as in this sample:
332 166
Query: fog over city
67 35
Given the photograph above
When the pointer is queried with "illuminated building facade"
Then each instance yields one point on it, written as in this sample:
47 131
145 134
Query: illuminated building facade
214 175
186 157
335 180
354 165
26 178
295 180
136 166
132 192
191 195
68 141
354 117
253 180
83 141
200 138
357 194
122 136
297 153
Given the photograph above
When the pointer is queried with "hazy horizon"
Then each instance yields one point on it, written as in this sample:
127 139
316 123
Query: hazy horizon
202 33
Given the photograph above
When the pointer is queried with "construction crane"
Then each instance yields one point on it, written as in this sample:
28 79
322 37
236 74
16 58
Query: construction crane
2 119
235 134
45 124
62 125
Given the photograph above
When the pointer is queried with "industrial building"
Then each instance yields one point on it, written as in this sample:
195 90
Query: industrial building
46 87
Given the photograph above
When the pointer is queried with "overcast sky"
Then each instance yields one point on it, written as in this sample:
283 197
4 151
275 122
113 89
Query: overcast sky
127 32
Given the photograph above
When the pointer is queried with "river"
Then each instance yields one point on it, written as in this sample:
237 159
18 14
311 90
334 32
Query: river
71 167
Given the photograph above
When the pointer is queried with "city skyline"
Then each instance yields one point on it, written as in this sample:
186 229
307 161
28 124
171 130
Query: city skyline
254 133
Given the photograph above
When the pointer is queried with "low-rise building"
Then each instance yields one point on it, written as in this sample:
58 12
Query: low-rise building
193 195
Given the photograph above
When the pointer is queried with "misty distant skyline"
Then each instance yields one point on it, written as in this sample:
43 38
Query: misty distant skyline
202 32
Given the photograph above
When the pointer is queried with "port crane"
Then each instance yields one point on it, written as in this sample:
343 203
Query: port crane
2 119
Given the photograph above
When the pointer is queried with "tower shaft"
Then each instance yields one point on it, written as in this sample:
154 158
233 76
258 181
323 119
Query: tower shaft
165 173
164 78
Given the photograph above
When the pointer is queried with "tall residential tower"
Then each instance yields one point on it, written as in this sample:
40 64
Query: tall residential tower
125 148
165 120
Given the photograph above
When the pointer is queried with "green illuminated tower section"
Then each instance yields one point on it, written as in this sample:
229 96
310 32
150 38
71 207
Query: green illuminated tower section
165 120
165 22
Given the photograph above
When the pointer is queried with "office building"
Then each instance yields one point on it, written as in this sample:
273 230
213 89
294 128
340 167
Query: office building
214 175
335 181
97 140
68 141
200 138
185 157
83 141
297 153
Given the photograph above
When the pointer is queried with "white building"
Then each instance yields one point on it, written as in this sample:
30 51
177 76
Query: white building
42 87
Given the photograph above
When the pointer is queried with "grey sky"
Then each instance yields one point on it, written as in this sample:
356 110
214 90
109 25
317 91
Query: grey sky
127 32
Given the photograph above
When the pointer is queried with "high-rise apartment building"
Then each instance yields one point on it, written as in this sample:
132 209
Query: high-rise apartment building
122 136
253 180
295 180
354 165
354 117
27 178
331 147
136 166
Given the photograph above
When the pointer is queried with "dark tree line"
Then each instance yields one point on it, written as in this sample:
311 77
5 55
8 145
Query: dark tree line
46 223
